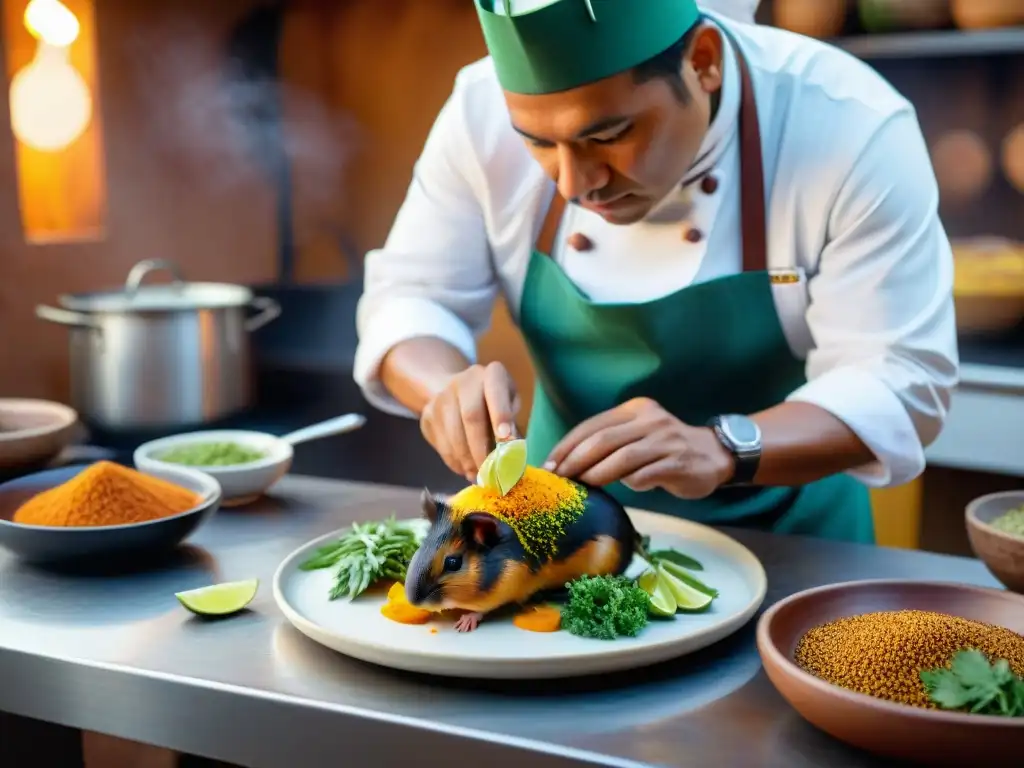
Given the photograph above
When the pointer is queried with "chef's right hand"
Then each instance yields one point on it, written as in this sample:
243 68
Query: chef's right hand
462 421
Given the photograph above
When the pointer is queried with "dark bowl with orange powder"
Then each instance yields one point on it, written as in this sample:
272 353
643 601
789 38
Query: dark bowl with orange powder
103 514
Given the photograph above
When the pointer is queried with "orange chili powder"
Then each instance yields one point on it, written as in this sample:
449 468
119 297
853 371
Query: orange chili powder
106 494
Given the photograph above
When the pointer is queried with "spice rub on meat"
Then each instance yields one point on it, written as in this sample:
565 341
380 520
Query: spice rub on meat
485 551
882 654
106 494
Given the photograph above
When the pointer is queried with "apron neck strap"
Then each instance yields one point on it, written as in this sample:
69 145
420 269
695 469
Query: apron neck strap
752 212
548 230
752 209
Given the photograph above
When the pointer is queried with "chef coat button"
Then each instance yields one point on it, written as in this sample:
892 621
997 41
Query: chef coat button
580 242
708 185
693 235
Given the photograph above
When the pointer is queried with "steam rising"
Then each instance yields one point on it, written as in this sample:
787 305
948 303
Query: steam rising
200 110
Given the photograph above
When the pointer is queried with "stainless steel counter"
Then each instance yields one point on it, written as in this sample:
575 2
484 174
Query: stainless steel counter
118 655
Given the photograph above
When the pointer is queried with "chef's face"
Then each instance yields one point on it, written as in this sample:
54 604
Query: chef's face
618 146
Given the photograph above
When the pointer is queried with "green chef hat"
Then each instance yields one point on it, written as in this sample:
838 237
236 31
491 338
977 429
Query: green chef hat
545 46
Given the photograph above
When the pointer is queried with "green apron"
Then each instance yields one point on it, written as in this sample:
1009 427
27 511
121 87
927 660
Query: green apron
708 349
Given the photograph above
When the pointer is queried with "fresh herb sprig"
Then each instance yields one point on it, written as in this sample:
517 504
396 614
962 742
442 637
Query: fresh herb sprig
368 553
605 607
670 555
972 684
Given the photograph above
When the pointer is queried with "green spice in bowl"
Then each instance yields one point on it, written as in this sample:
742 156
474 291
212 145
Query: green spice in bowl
213 454
995 528
1011 522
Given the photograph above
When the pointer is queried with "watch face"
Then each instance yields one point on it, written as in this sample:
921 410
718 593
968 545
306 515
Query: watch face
742 431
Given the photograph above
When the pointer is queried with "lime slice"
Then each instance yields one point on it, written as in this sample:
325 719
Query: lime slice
687 598
663 602
219 599
688 578
504 467
509 464
485 476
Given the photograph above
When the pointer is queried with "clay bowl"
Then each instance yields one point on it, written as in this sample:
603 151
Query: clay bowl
33 432
1002 553
888 729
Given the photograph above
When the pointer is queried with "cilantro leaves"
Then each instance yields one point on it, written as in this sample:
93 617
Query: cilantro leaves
972 684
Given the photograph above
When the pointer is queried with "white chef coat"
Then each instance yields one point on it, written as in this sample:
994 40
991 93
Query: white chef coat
851 204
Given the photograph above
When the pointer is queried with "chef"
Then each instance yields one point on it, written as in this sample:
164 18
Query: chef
720 242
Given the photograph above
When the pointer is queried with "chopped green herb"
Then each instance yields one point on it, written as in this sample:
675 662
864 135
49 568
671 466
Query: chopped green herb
211 455
972 684
605 607
368 553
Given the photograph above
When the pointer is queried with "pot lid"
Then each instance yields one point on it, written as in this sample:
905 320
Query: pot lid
176 296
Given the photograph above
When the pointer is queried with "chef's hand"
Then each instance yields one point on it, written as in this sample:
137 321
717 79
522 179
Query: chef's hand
462 421
644 446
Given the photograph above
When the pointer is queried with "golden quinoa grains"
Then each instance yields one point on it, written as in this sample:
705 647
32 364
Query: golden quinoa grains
539 508
881 654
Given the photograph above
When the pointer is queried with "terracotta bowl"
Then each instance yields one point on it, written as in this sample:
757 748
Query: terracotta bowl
1001 552
33 432
888 729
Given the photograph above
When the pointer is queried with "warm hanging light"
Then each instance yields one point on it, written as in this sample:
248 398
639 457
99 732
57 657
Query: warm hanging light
50 101
51 22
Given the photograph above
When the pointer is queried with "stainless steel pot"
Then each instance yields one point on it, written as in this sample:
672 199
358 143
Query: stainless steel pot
161 356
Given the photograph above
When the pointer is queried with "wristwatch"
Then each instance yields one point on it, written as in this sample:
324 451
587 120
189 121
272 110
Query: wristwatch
742 438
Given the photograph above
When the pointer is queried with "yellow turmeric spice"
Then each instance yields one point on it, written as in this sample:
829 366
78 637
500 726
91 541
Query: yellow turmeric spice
539 508
106 494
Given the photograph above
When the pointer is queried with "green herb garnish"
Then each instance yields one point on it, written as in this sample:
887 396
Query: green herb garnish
972 684
654 557
211 455
368 553
605 607
674 556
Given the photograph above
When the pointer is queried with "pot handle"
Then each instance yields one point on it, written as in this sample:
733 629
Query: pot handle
65 317
143 268
268 310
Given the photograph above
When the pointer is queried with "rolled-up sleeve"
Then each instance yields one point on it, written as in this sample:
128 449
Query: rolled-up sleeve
433 276
885 359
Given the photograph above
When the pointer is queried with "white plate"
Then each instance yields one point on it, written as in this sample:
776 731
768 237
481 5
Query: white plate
498 649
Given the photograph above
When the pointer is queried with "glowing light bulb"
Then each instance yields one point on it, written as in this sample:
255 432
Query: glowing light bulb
50 21
50 102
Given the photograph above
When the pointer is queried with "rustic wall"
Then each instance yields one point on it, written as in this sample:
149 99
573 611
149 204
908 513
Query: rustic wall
176 188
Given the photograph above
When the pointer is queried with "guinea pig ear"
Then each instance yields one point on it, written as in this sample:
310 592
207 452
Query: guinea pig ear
482 529
433 507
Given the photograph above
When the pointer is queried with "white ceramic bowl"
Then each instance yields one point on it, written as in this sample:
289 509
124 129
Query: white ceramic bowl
33 432
240 483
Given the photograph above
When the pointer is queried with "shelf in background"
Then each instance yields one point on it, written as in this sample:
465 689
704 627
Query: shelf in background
897 45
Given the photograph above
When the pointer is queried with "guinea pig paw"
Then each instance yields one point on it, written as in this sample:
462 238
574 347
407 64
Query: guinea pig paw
467 622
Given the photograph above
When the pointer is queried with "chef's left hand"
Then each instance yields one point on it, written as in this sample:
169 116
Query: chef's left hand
644 446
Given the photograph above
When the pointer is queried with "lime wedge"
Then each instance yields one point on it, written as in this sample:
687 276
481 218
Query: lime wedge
687 598
485 476
509 464
219 599
688 578
663 602
504 467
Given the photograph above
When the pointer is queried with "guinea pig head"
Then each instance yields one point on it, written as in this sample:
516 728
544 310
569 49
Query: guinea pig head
452 566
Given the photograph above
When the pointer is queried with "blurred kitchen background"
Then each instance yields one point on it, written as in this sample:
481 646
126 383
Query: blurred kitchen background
269 144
